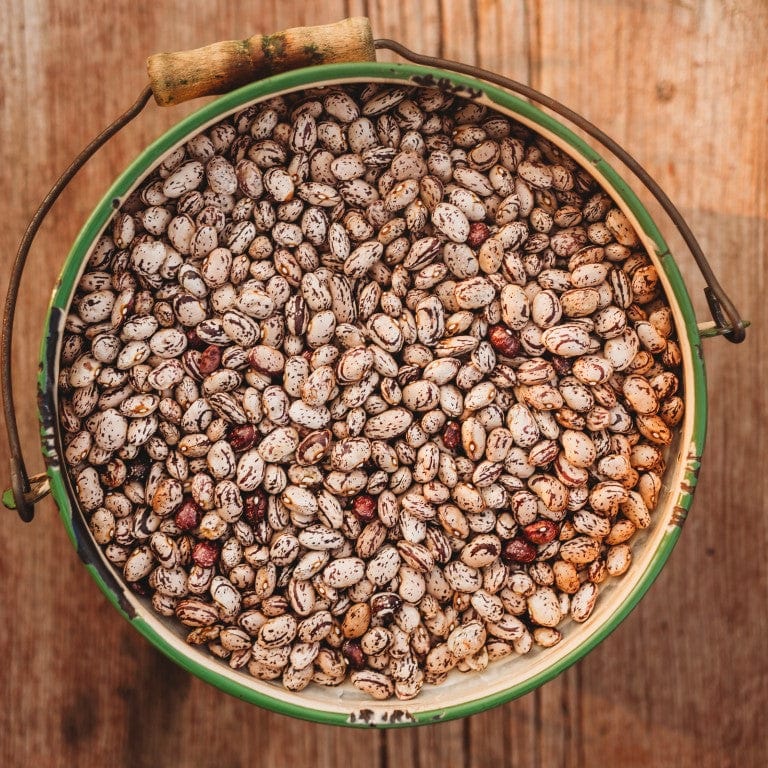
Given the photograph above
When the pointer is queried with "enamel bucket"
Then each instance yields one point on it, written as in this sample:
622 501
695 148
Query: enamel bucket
504 679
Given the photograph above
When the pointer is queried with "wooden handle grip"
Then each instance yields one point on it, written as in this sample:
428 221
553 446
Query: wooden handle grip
224 66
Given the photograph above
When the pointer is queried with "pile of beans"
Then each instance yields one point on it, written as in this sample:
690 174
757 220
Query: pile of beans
368 383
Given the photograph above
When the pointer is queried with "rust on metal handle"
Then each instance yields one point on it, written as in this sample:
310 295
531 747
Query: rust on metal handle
728 322
25 491
224 66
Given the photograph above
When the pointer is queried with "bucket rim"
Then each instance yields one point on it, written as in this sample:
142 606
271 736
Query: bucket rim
365 713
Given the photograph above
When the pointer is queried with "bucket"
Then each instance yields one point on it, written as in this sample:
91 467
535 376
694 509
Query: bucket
503 679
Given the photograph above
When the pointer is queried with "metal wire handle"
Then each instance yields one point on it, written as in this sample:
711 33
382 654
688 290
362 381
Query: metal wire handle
728 321
26 490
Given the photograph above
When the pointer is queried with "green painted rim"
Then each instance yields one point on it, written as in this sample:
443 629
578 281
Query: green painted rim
689 450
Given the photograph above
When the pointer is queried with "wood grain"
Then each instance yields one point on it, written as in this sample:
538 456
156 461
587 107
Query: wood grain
684 680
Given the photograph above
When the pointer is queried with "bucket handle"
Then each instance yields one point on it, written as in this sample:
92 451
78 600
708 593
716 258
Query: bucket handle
218 68
727 320
25 491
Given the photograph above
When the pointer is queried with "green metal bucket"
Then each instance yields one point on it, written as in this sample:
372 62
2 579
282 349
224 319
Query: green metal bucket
462 694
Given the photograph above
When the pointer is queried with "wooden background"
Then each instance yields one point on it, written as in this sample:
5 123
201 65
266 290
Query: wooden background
683 681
